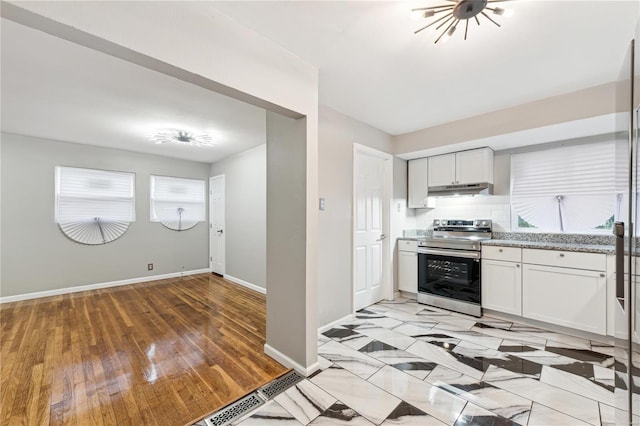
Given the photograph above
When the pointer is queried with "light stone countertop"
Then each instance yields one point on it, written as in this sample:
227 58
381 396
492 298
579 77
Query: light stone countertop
583 243
547 245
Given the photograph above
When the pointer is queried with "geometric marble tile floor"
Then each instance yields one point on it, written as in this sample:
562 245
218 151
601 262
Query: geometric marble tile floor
402 363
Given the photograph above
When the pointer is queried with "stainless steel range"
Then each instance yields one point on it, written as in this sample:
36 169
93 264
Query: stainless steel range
449 265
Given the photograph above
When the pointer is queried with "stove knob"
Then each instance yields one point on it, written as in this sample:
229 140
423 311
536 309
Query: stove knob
476 223
485 223
443 222
436 222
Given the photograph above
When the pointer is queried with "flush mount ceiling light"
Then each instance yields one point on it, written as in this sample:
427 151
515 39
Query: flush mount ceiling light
450 14
181 137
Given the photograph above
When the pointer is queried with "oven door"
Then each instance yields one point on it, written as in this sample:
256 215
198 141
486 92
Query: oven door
452 274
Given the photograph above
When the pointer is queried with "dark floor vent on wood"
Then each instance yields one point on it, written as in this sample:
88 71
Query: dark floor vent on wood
241 407
280 384
235 411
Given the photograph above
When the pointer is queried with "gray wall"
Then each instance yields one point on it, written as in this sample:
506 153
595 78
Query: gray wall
37 256
288 313
401 217
336 135
245 214
502 173
591 102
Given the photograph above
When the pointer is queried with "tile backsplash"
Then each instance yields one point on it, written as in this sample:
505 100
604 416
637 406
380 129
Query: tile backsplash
494 207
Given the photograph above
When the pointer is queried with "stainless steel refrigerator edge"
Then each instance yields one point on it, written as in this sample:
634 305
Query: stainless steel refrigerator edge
626 315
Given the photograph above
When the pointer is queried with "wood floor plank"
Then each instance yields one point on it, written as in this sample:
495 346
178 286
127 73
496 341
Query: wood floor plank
160 353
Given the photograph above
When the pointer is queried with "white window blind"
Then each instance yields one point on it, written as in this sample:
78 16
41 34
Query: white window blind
169 194
566 189
87 194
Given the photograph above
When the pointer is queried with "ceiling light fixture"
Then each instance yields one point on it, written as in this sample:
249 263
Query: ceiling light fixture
456 11
181 137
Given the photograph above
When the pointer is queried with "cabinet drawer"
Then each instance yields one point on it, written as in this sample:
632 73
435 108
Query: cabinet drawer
407 245
565 259
508 254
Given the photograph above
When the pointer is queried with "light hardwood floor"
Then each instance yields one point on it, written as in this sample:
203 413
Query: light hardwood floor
166 352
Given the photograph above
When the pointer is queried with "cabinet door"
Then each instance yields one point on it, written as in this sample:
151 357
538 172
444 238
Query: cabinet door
573 298
502 286
474 166
408 271
442 170
417 183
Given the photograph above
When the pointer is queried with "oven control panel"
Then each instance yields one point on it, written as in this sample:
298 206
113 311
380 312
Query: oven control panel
460 223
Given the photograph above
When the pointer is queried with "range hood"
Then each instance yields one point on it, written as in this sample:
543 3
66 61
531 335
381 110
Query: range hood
483 188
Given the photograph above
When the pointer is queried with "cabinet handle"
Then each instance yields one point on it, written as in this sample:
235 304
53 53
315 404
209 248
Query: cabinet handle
518 265
561 254
601 275
500 250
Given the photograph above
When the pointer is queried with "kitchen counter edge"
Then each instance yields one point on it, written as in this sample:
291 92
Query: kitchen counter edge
544 245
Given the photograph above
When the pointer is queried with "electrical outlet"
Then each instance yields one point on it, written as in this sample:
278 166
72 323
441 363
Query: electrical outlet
150 266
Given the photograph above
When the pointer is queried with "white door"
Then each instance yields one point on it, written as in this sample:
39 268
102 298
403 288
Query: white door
216 225
370 228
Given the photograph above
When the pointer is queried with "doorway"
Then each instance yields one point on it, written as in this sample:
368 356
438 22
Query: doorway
372 180
216 225
292 155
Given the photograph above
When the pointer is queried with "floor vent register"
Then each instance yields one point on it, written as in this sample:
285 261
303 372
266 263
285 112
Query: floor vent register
249 403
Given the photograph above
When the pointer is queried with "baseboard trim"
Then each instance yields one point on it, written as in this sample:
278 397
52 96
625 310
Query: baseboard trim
334 323
288 362
76 289
245 284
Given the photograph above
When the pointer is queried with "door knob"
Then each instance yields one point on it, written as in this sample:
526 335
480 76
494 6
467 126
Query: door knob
220 231
382 237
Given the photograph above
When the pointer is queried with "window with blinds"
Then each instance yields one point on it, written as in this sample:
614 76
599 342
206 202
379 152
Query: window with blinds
86 195
174 199
567 189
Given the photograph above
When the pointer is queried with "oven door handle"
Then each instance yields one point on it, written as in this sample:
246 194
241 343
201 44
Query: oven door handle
451 253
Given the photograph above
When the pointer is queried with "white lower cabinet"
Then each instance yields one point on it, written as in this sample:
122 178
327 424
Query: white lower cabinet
408 266
558 287
502 279
569 297
502 286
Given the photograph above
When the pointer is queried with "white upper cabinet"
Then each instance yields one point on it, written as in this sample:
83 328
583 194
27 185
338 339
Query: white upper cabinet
417 184
442 170
474 166
464 167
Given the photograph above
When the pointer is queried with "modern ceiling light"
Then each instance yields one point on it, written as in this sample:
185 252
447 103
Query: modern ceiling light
456 11
181 137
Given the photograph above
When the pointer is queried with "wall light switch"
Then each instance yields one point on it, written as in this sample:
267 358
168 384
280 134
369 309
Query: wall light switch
321 203
399 207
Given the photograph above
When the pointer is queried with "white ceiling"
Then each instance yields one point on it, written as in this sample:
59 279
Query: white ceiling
55 89
373 68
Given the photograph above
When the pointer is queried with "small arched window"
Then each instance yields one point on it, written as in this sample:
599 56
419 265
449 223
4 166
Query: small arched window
178 203
94 206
